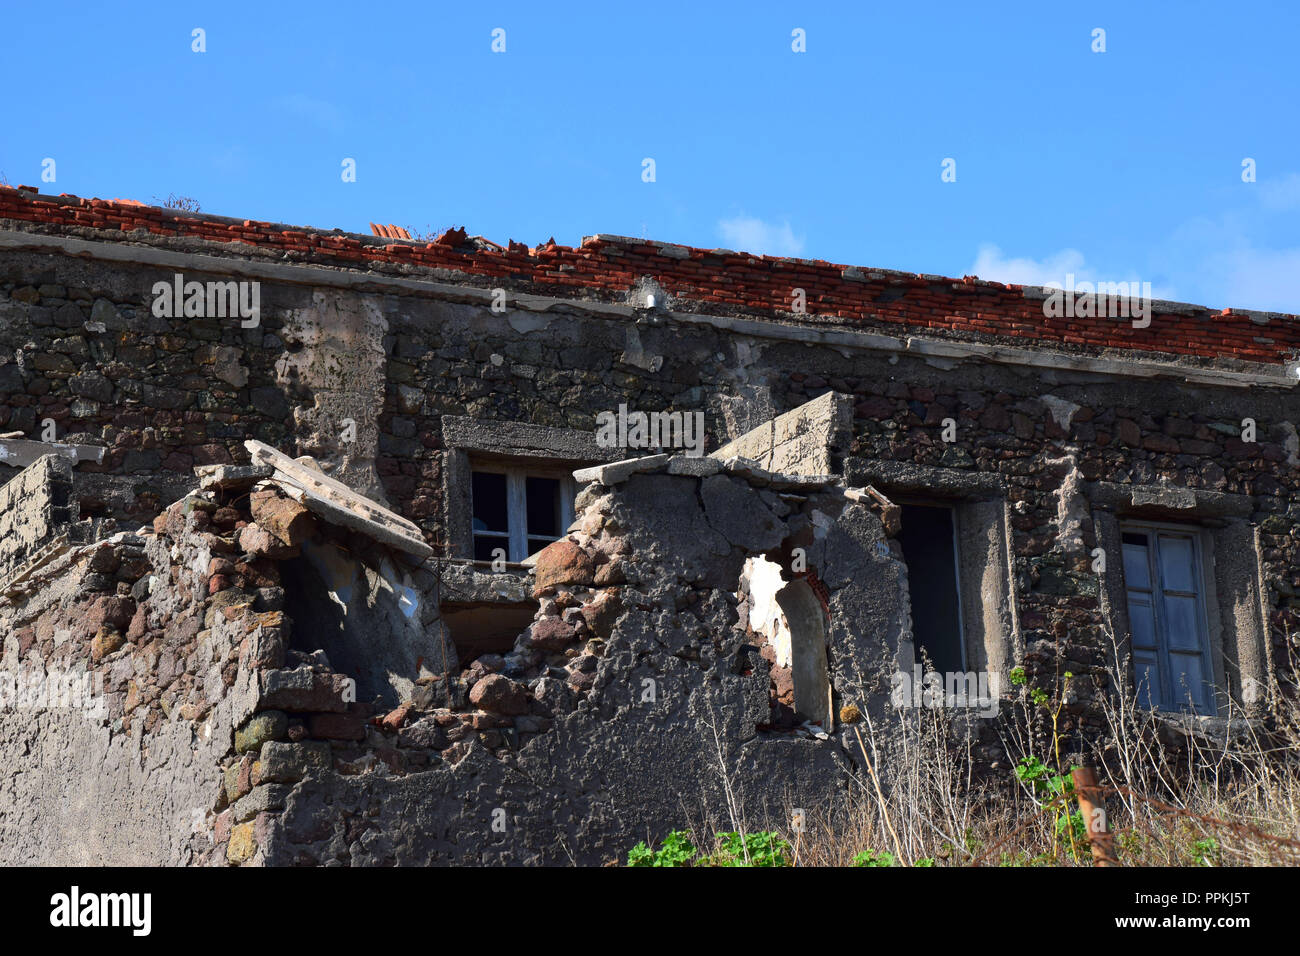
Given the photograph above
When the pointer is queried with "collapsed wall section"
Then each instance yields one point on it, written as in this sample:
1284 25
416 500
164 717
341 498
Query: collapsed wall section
621 708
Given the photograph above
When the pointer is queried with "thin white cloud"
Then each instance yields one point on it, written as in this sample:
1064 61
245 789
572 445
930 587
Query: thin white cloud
750 234
1252 278
992 265
1066 268
1222 263
1280 195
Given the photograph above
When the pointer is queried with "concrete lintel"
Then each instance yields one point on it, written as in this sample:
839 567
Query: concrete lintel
620 471
520 439
1193 502
928 480
21 452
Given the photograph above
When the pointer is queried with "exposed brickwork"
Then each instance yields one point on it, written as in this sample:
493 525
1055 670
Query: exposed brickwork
608 266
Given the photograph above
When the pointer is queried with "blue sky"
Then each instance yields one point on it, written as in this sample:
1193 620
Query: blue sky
1114 166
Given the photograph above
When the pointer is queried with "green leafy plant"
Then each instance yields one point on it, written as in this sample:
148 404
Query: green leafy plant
1207 851
885 858
677 850
753 849
1052 788
765 848
873 858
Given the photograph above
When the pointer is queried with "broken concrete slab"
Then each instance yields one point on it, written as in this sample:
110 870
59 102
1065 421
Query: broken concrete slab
804 441
231 477
690 465
21 452
620 471
338 504
761 477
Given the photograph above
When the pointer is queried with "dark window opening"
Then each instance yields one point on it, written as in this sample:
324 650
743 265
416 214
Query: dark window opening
543 511
491 515
485 628
929 543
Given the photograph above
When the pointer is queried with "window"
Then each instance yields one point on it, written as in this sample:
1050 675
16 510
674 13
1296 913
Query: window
518 511
929 540
1167 619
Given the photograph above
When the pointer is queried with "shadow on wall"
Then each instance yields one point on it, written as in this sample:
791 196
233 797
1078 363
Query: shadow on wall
365 614
790 621
807 623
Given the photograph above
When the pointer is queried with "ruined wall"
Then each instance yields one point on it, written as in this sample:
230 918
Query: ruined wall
122 681
35 509
1046 451
223 734
636 685
165 395
136 671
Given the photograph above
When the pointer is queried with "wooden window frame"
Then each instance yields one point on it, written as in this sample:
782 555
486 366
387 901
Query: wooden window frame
1173 698
517 475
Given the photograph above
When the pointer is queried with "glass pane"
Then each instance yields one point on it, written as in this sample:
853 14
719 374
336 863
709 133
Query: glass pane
1182 626
1141 620
488 491
1147 674
543 507
1136 567
485 544
1177 567
1188 677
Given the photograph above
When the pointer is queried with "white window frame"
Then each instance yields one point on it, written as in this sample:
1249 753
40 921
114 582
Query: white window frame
516 538
1173 695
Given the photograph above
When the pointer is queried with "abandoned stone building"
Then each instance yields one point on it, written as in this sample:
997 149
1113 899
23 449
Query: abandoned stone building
331 549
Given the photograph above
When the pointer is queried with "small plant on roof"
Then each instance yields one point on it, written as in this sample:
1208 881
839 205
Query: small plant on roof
183 203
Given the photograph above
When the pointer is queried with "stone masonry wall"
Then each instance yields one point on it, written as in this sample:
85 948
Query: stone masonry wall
35 507
1068 447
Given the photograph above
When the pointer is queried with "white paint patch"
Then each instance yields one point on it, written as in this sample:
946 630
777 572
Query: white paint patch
527 323
1071 507
1291 444
1062 410
761 580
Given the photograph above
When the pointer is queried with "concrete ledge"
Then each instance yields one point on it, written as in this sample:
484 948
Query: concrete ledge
1138 365
620 471
924 479
520 439
21 452
463 582
1192 502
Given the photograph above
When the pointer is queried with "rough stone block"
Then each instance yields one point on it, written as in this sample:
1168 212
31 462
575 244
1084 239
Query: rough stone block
289 763
303 689
258 729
